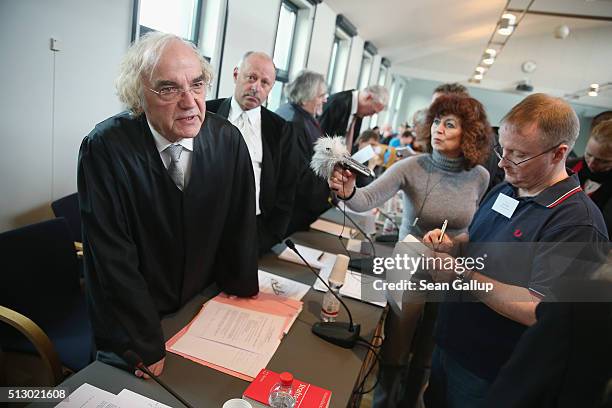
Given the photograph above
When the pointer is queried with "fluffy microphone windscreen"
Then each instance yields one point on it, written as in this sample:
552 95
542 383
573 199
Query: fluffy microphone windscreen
328 151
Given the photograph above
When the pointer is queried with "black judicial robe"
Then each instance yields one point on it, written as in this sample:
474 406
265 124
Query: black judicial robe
279 174
337 114
150 247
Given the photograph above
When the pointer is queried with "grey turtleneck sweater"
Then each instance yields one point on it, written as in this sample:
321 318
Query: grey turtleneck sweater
438 184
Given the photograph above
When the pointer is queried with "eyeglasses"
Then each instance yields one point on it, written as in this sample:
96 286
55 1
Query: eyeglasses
173 93
499 152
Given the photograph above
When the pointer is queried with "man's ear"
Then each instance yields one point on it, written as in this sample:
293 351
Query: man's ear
235 74
560 153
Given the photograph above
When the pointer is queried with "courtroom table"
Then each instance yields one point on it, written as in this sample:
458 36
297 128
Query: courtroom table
305 355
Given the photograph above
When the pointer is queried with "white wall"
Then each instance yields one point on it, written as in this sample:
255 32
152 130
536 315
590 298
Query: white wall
322 39
52 100
251 26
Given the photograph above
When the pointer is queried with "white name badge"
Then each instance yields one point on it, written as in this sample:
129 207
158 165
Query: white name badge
505 205
590 187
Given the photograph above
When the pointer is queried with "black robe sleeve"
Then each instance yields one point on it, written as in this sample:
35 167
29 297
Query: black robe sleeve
274 227
123 312
236 260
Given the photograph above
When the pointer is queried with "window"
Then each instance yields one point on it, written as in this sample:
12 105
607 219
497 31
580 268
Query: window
180 17
382 76
398 103
283 50
366 68
331 69
338 61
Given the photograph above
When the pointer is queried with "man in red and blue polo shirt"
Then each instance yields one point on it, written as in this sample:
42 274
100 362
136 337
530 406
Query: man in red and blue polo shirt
524 225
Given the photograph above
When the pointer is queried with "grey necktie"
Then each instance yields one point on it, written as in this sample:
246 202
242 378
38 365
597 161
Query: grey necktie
176 174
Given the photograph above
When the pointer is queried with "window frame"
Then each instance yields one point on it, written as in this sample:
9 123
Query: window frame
137 31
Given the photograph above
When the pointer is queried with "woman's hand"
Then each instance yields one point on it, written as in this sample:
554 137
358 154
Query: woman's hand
342 182
432 239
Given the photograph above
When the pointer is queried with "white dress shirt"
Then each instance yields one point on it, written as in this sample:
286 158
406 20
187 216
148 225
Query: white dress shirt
186 155
249 123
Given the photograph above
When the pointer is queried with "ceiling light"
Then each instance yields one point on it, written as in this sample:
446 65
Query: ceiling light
491 52
480 70
506 24
478 77
488 60
593 90
592 93
594 86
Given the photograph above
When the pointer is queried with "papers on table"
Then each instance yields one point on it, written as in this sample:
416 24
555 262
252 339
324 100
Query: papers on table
237 336
316 258
333 228
279 286
88 396
351 287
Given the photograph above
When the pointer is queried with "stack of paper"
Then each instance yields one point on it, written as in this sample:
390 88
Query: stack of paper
316 258
279 286
237 336
333 228
88 396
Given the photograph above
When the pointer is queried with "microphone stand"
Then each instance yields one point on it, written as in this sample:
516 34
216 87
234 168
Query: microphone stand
358 263
135 361
339 333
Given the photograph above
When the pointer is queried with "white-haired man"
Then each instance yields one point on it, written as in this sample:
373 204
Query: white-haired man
344 111
167 201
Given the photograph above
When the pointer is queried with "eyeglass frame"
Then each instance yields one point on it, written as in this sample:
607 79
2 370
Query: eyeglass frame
501 157
180 91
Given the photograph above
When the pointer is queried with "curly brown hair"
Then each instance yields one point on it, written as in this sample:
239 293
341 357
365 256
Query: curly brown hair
476 131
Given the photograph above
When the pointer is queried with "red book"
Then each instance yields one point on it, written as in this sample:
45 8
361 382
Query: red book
306 395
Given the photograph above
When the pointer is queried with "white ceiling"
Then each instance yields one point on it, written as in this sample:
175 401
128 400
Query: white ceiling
443 40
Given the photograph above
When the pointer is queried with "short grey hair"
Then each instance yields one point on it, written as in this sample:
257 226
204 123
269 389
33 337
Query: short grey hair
379 93
249 53
141 60
555 119
419 117
305 87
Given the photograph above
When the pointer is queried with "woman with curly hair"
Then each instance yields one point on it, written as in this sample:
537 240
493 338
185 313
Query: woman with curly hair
447 183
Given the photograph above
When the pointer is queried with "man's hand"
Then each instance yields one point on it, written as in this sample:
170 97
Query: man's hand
432 240
155 368
447 272
342 182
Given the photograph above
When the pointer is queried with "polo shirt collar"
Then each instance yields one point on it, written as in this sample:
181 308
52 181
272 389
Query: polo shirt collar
559 192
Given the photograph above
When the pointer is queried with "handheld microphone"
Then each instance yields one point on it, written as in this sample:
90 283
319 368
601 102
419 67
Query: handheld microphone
135 361
329 151
339 333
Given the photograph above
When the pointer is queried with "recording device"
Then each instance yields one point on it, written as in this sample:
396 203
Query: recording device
338 333
329 151
406 151
135 361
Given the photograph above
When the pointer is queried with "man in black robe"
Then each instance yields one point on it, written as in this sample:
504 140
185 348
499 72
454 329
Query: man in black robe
271 144
344 111
167 201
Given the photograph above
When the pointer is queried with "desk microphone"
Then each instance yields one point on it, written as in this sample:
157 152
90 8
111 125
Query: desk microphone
135 361
339 333
388 237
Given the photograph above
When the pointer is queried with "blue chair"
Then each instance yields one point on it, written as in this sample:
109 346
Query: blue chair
40 280
68 207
